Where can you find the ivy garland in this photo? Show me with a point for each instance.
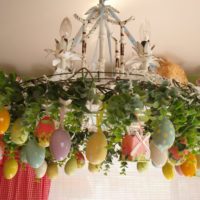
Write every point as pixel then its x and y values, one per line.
pixel 122 105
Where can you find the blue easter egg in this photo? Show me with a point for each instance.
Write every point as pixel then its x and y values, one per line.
pixel 23 155
pixel 164 135
pixel 35 154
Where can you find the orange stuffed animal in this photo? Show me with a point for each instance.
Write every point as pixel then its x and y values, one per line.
pixel 172 71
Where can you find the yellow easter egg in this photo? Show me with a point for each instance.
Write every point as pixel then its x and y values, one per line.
pixel 71 166
pixel 168 171
pixel 10 168
pixel 52 170
pixel 198 161
pixel 142 166
pixel 96 148
pixel 93 168
pixel 4 120
pixel 18 135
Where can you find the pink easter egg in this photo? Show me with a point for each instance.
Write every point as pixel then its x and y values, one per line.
pixel 60 144
pixel 178 170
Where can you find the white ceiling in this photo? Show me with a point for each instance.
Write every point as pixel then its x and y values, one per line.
pixel 27 27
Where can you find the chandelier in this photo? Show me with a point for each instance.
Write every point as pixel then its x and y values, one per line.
pixel 89 112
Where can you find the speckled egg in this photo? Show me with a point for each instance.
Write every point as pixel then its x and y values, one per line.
pixel 164 135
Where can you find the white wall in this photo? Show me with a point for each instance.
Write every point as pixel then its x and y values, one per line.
pixel 27 27
pixel 148 186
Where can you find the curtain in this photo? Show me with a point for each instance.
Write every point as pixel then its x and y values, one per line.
pixel 24 186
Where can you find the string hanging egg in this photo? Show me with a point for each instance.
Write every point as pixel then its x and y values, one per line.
pixel 18 134
pixel 96 148
pixel 164 135
pixel 4 120
pixel 60 144
pixel 35 154
pixel 44 130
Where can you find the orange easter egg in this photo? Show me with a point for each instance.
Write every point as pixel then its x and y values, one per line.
pixel 189 167
pixel 4 120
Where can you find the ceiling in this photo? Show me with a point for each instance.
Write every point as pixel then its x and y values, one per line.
pixel 28 27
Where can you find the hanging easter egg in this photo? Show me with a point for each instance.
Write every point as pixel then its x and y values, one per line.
pixel 178 170
pixel 158 158
pixel 41 171
pixel 189 167
pixel 142 166
pixel 4 120
pixel 198 161
pixel 133 148
pixel 2 149
pixel 168 171
pixel 22 155
pixel 178 153
pixel 10 168
pixel 164 135
pixel 35 154
pixel 71 166
pixel 44 130
pixel 127 144
pixel 52 170
pixel 93 168
pixel 96 148
pixel 80 159
pixel 18 135
pixel 60 144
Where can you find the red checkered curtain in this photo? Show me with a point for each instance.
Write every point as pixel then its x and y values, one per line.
pixel 24 186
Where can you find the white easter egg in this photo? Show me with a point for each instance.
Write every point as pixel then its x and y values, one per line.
pixel 158 158
pixel 41 171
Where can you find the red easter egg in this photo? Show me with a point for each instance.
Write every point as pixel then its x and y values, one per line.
pixel 44 130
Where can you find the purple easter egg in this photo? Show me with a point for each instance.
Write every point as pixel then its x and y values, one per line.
pixel 60 144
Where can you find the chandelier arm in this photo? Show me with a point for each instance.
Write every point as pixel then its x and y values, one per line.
pixel 109 36
pixel 127 32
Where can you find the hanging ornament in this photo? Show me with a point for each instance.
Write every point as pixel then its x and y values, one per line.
pixel 135 146
pixel 178 152
pixel 96 148
pixel 23 157
pixel 127 145
pixel 71 166
pixel 35 154
pixel 52 171
pixel 189 167
pixel 2 149
pixel 4 120
pixel 65 28
pixel 178 170
pixel 80 159
pixel 198 161
pixel 93 168
pixel 168 171
pixel 164 135
pixel 60 144
pixel 158 158
pixel 41 171
pixel 142 166
pixel 44 130
pixel 10 168
pixel 18 135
